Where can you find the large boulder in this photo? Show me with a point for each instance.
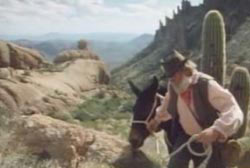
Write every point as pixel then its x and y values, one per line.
pixel 12 55
pixel 66 143
pixel 24 58
pixel 57 139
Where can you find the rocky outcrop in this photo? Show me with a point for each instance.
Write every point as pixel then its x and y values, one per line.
pixel 55 90
pixel 12 55
pixel 28 88
pixel 71 55
pixel 50 90
pixel 81 53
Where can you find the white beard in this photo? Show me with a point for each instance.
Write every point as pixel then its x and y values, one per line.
pixel 183 85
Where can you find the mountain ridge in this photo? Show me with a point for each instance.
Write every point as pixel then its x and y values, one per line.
pixel 183 33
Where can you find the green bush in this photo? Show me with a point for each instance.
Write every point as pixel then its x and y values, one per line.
pixel 109 114
pixel 127 106
pixel 100 108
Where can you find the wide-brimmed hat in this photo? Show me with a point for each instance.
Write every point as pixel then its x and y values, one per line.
pixel 174 62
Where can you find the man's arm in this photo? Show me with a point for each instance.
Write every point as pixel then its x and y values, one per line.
pixel 161 115
pixel 230 115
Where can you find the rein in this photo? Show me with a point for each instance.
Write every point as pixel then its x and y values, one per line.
pixel 208 151
pixel 146 122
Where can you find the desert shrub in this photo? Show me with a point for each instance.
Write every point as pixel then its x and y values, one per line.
pixel 98 108
pixel 64 116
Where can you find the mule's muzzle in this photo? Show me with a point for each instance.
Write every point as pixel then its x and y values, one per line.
pixel 135 143
pixel 135 139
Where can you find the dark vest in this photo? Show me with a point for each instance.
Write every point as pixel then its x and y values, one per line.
pixel 205 115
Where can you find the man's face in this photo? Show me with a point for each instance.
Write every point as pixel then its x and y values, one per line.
pixel 180 81
pixel 177 78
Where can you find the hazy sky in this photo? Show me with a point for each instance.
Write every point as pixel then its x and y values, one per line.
pixel 83 16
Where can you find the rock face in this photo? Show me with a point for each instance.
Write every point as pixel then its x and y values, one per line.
pixel 54 138
pixel 182 32
pixel 237 48
pixel 17 57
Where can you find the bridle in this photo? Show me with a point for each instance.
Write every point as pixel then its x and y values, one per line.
pixel 146 122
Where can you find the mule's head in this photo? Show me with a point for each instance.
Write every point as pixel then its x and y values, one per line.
pixel 141 110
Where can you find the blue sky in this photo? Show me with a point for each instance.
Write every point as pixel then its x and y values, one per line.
pixel 33 17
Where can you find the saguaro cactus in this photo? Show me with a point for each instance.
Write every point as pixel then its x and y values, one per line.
pixel 239 87
pixel 213 46
pixel 237 150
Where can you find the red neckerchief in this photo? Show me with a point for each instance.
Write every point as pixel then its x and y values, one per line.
pixel 187 96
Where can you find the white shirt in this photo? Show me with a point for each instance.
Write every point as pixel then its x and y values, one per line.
pixel 230 115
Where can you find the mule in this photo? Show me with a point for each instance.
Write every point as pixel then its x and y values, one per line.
pixel 143 111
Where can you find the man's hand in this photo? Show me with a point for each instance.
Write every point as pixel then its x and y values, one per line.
pixel 208 136
pixel 153 125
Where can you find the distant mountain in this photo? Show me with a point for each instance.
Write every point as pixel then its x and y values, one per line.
pixel 110 37
pixel 113 53
pixel 104 37
pixel 142 41
pixel 50 49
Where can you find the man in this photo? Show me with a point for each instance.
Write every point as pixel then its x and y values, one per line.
pixel 196 104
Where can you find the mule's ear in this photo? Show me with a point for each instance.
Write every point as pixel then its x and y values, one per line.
pixel 134 88
pixel 155 81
